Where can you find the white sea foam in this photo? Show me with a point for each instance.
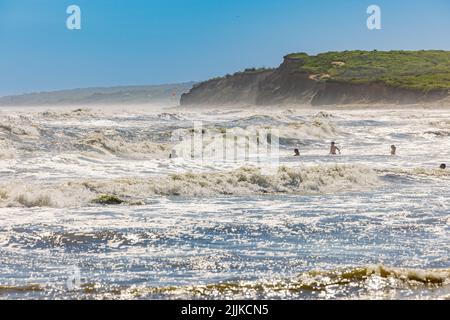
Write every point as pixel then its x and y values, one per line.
pixel 196 221
pixel 244 181
pixel 20 126
pixel 110 142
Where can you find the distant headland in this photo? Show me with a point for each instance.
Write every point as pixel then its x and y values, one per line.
pixel 334 78
pixel 165 94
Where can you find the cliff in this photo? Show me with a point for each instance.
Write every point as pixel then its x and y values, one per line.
pixel 334 78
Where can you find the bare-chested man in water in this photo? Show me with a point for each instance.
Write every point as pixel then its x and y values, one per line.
pixel 334 148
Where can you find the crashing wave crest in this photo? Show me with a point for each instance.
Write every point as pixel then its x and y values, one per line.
pixel 100 142
pixel 371 282
pixel 20 126
pixel 358 282
pixel 244 181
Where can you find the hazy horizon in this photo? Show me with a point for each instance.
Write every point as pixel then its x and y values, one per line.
pixel 100 87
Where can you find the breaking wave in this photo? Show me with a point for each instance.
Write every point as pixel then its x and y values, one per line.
pixel 36 133
pixel 364 282
pixel 100 142
pixel 244 181
pixel 19 126
pixel 317 127
pixel 371 282
pixel 242 138
pixel 70 114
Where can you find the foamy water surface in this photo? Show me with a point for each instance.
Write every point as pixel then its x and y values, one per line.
pixel 364 224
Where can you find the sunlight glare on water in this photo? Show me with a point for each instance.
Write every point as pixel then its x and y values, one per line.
pixel 364 224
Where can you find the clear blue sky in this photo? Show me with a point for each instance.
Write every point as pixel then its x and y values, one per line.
pixel 166 41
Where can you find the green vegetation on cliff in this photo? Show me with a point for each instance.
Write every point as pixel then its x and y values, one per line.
pixel 420 70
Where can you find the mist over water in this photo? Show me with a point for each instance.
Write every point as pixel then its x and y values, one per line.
pixel 363 224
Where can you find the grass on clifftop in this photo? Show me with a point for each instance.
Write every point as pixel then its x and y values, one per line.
pixel 424 70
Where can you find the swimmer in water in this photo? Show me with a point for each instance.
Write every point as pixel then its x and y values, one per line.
pixel 334 148
pixel 296 153
pixel 393 150
pixel 443 166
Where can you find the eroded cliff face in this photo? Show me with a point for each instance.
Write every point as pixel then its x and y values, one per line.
pixel 340 93
pixel 287 86
pixel 238 89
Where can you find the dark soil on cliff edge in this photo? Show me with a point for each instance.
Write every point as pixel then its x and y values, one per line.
pixel 350 77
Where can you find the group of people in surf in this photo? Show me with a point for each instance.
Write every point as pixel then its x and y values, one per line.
pixel 334 149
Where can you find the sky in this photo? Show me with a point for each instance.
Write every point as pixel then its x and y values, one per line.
pixel 140 42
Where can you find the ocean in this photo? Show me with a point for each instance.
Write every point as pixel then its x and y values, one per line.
pixel 360 225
